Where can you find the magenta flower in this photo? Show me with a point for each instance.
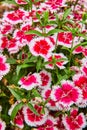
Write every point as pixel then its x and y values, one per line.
pixel 67 94
pixel 56 56
pixel 4 67
pixel 4 43
pixel 54 4
pixel 19 118
pixel 51 104
pixel 45 78
pixel 65 39
pixel 49 124
pixel 21 2
pixel 14 17
pixel 2 125
pixel 76 121
pixel 80 81
pixel 41 46
pixel 13 46
pixel 32 119
pixel 30 81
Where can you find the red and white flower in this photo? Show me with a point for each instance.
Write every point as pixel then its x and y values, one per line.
pixel 32 119
pixel 65 39
pixel 76 121
pixel 49 124
pixel 30 81
pixel 45 78
pixel 41 46
pixel 2 125
pixel 56 56
pixel 51 104
pixel 13 46
pixel 3 43
pixel 6 28
pixel 80 81
pixel 14 17
pixel 4 67
pixel 21 2
pixel 67 94
pixel 53 5
pixel 19 118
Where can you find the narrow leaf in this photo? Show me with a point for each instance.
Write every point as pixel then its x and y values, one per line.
pixel 32 109
pixel 16 109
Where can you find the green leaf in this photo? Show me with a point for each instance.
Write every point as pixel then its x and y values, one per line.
pixel 15 93
pixel 39 64
pixel 46 16
pixel 53 31
pixel 16 109
pixel 36 93
pixel 80 44
pixel 11 2
pixel 66 13
pixel 32 109
pixel 34 32
pixel 11 61
pixel 19 67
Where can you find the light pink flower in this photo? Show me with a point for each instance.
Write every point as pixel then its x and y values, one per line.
pixel 32 119
pixel 2 125
pixel 67 94
pixel 41 46
pixel 65 39
pixel 56 56
pixel 45 78
pixel 30 81
pixel 76 121
pixel 21 2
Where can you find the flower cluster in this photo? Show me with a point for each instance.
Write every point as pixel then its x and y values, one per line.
pixel 43 58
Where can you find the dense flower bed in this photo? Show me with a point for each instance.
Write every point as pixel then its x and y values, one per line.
pixel 43 65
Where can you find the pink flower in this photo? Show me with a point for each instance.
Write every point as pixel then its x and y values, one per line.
pixel 76 121
pixel 78 50
pixel 4 43
pixel 32 119
pixel 19 118
pixel 30 81
pixel 21 2
pixel 67 94
pixel 4 67
pixel 45 78
pixel 65 39
pixel 49 124
pixel 41 46
pixel 54 4
pixel 56 56
pixel 51 104
pixel 84 69
pixel 22 38
pixel 2 125
pixel 6 28
pixel 13 46
pixel 80 81
pixel 14 17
